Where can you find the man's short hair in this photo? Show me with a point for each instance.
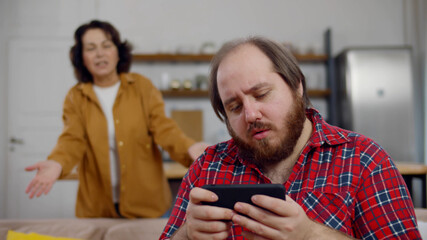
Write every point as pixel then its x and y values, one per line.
pixel 283 61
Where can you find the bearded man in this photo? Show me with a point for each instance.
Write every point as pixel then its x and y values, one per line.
pixel 340 184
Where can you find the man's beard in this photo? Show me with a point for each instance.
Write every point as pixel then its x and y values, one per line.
pixel 262 153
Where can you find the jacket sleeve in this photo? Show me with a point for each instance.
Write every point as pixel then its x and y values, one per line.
pixel 71 144
pixel 165 131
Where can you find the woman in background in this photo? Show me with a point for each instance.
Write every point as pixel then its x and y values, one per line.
pixel 114 122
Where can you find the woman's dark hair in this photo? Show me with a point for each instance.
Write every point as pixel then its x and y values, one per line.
pixel 284 63
pixel 76 51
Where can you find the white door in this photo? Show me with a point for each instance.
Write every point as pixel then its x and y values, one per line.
pixel 39 75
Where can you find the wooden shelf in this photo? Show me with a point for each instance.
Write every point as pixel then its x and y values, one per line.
pixel 173 57
pixel 185 93
pixel 312 58
pixel 314 93
pixel 208 57
pixel 318 93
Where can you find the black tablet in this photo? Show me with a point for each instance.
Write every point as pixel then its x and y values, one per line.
pixel 229 194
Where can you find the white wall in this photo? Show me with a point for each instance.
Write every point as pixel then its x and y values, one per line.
pixel 424 72
pixel 154 25
pixel 3 110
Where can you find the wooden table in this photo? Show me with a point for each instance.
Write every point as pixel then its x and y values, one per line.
pixel 173 171
pixel 410 171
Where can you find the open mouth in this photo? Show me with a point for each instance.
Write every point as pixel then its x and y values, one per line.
pixel 101 64
pixel 259 130
pixel 259 133
pixel 256 131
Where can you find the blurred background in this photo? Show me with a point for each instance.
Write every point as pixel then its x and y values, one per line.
pixel 173 42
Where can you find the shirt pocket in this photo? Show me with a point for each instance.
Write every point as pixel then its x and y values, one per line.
pixel 331 209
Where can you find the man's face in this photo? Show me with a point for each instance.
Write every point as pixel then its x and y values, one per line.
pixel 263 116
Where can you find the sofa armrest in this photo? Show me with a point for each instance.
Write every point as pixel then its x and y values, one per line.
pixel 147 229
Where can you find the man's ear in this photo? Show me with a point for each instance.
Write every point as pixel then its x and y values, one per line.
pixel 300 88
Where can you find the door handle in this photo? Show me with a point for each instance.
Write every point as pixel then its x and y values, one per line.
pixel 14 140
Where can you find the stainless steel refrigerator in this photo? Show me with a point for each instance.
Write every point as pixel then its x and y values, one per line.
pixel 375 97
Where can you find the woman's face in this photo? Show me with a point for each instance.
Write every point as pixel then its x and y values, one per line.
pixel 100 54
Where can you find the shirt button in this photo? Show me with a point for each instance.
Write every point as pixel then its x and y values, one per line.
pixel 123 166
pixel 148 145
pixel 117 121
pixel 123 188
pixel 120 143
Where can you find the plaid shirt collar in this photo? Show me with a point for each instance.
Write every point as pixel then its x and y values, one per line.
pixel 323 134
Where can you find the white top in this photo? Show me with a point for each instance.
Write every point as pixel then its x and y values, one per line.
pixel 107 97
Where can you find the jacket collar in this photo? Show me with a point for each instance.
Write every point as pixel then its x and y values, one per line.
pixel 87 88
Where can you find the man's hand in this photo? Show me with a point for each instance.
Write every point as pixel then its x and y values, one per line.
pixel 283 220
pixel 48 172
pixel 205 222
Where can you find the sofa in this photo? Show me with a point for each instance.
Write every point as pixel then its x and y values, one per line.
pixel 111 229
pixel 87 228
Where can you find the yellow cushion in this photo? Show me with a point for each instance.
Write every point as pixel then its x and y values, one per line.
pixel 12 235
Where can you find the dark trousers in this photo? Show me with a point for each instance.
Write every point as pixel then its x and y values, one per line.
pixel 117 207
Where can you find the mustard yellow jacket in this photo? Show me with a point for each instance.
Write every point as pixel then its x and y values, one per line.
pixel 140 125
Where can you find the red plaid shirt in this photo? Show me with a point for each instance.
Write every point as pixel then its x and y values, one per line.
pixel 341 179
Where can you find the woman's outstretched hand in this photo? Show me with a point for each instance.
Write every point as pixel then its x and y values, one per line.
pixel 48 172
